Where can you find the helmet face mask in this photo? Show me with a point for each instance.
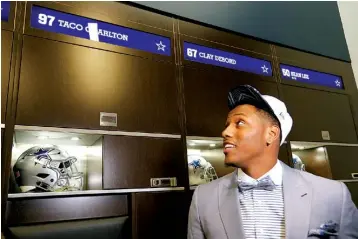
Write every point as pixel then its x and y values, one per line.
pixel 47 168
pixel 200 170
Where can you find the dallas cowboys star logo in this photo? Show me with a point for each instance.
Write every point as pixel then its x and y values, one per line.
pixel 264 69
pixel 196 164
pixel 161 46
pixel 338 83
pixel 41 151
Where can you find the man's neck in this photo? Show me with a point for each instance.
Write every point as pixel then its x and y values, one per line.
pixel 257 169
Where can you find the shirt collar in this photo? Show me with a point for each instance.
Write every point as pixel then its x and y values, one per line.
pixel 275 174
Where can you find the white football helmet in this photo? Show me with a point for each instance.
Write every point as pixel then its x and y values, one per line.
pixel 298 163
pixel 200 170
pixel 47 168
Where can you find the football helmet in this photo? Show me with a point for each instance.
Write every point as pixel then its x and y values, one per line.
pixel 47 168
pixel 200 170
pixel 298 163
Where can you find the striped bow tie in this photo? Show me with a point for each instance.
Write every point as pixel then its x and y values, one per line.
pixel 264 184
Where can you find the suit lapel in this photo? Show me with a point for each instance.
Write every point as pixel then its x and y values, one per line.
pixel 229 208
pixel 297 197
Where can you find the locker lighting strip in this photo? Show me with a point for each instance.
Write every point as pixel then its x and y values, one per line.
pixel 349 181
pixel 311 76
pixel 92 192
pixel 325 143
pixel 203 138
pixel 216 57
pixel 101 132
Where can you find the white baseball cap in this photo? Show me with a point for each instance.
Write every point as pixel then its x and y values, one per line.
pixel 246 94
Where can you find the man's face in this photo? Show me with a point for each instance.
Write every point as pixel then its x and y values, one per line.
pixel 244 135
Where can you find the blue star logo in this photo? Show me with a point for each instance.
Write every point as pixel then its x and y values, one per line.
pixel 41 154
pixel 196 164
pixel 161 46
pixel 41 151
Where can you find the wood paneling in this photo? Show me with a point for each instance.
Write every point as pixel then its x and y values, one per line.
pixel 327 65
pixel 213 35
pixel 284 156
pixel 206 92
pixel 6 46
pixel 41 210
pixel 316 161
pixel 64 85
pixel 3 180
pixel 314 111
pixel 343 160
pixel 161 215
pixel 130 162
pixel 353 188
pixel 109 228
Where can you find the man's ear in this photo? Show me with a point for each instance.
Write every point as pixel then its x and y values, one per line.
pixel 272 134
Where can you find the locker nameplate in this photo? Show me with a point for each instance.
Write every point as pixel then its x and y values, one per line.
pixel 82 27
pixel 311 77
pixel 211 56
pixel 5 10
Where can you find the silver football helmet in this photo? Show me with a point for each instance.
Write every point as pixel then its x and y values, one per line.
pixel 298 163
pixel 47 168
pixel 200 170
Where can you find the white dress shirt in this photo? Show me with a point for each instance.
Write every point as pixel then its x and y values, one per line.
pixel 262 211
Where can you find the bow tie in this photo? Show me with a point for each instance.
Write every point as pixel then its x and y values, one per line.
pixel 264 184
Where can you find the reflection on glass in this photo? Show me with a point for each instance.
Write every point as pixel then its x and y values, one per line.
pixel 205 160
pixel 297 163
pixel 200 170
pixel 311 157
pixel 55 162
